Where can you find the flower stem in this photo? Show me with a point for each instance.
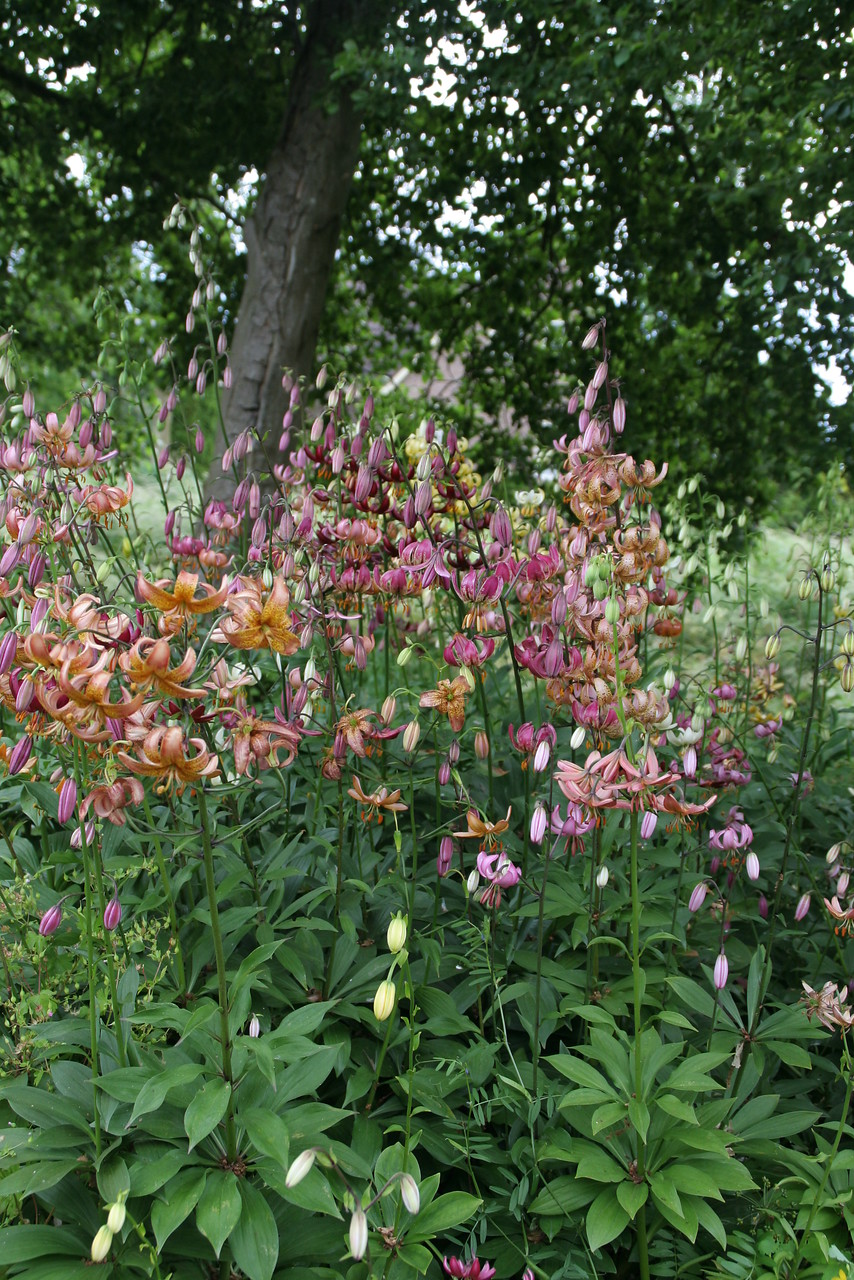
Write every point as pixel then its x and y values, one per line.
pixel 225 1035
pixel 637 1000
pixel 167 889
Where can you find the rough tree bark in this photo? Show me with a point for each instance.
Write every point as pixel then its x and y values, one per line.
pixel 293 234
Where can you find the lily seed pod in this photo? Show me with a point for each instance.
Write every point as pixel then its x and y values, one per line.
pixel 396 934
pixel 358 1233
pixel 385 1000
pixel 300 1167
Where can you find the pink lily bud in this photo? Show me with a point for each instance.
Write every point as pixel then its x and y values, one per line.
pixel 254 500
pixel 539 821
pixel 163 458
pixel 181 467
pixel 572 404
pixel 20 754
pixel 446 853
pixel 444 773
pixel 541 757
pixel 721 972
pixel 29 529
pixel 452 442
pixel 51 920
pixel 73 418
pixel 751 866
pixel 8 651
pixel 618 416
pixel 99 404
pixel 689 762
pixel 481 745
pixel 85 435
pixel 227 459
pixel 221 343
pixel 169 522
pixel 67 800
pixel 590 338
pixel 201 383
pixel 76 840
pixel 801 909
pixel 112 914
pixel 423 498
pixel 28 403
pixel 454 752
pixel 227 376
pixel 763 906
pixel 9 559
pixel 698 896
pixel 649 821
pixel 38 564
pixel 199 442
pixel 24 696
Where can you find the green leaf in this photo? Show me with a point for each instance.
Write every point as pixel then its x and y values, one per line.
pixel 206 1110
pixel 632 1195
pixel 639 1116
pixel 181 1197
pixel 255 1239
pixel 21 1244
pixel 664 1190
pixel 607 1117
pixel 443 1213
pixel 153 1093
pixel 673 1106
pixel 707 1218
pixel 218 1210
pixel 565 1195
pixel 29 1180
pixel 606 1219
pixel 794 1055
pixel 268 1134
pixel 45 1110
pixel 599 1166
pixel 581 1073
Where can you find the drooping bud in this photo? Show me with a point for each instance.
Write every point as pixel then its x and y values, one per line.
pixel 8 651
pixel 358 1233
pixel 481 745
pixel 116 1216
pixel 67 800
pixel 721 971
pixel 51 920
pixel 539 821
pixel 602 876
pixel 254 1026
pixel 578 736
pixel 541 757
pixel 698 896
pixel 412 732
pixel 300 1167
pixel 803 906
pixel 751 866
pixel 446 853
pixel 649 821
pixel 385 1000
pixel 409 1193
pixel 590 338
pixel 20 754
pixel 102 1244
pixel 112 914
pixel 472 882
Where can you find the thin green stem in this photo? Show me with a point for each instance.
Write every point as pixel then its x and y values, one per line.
pixel 225 1035
pixel 167 889
pixel 637 1001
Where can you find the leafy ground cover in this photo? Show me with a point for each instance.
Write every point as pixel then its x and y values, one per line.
pixel 406 875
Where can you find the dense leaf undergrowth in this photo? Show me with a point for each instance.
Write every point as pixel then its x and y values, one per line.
pixel 387 884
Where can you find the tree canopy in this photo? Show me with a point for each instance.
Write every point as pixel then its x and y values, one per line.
pixel 521 170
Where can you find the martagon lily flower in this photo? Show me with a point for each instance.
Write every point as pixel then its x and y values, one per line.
pixel 147 664
pixel 257 622
pixel 449 699
pixel 180 604
pixel 481 829
pixel 378 802
pixel 163 754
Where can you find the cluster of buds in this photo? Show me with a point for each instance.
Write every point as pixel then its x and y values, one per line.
pixel 103 1241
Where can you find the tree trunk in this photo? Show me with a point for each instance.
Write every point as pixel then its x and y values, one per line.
pixel 291 239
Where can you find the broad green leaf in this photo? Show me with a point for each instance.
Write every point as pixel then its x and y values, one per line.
pixel 255 1240
pixel 664 1190
pixel 608 1117
pixel 206 1110
pixel 673 1106
pixel 153 1093
pixel 45 1110
pixel 219 1208
pixel 563 1195
pixel 21 1244
pixel 599 1166
pixel 606 1219
pixel 30 1179
pixel 444 1213
pixel 632 1195
pixel 150 1175
pixel 639 1116
pixel 581 1073
pixel 268 1134
pixel 707 1218
pixel 181 1195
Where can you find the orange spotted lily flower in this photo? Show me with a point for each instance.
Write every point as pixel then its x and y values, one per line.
pixel 843 916
pixel 89 689
pixel 164 754
pixel 259 623
pixel 147 665
pixel 486 832
pixel 257 741
pixel 380 801
pixel 110 800
pixel 180 603
pixel 615 782
pixel 104 499
pixel 355 730
pixel 449 699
